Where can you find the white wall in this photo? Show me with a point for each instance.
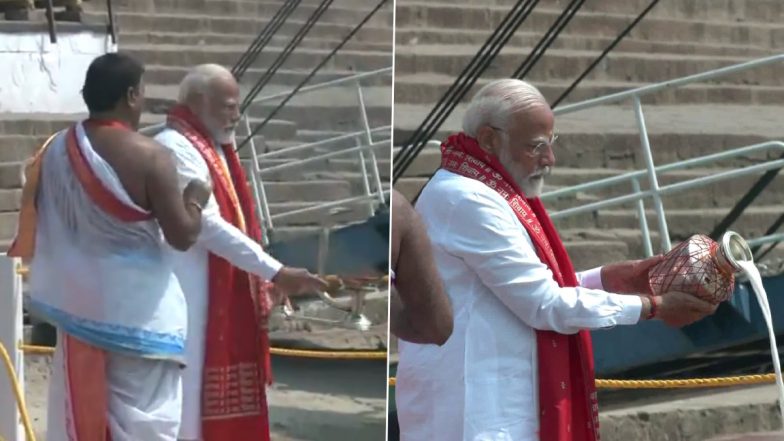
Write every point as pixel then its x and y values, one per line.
pixel 38 76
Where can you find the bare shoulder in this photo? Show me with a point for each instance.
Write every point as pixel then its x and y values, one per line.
pixel 147 152
pixel 401 207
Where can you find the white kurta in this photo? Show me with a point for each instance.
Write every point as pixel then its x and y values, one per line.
pixel 482 384
pixel 219 237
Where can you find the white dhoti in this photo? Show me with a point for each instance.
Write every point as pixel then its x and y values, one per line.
pixel 144 398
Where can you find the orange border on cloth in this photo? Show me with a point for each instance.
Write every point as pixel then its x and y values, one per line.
pixel 87 391
pixel 24 243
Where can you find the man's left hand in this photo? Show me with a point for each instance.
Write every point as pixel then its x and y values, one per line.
pixel 630 277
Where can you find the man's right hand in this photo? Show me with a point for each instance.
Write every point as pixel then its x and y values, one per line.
pixel 679 309
pixel 296 281
pixel 197 191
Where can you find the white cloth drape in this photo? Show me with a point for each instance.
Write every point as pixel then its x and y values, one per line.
pixel 106 282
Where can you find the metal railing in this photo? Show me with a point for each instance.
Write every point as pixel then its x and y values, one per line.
pixel 11 336
pixel 632 179
pixel 652 172
pixel 360 144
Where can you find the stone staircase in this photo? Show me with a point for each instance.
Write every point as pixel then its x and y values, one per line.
pixel 436 39
pixel 170 36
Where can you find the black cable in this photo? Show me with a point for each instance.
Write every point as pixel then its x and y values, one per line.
pixel 744 202
pixel 311 74
pixel 322 7
pixel 261 39
pixel 264 37
pixel 449 101
pixel 547 40
pixel 458 88
pixel 606 51
pixel 758 256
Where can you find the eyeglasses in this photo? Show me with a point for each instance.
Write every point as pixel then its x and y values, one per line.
pixel 537 149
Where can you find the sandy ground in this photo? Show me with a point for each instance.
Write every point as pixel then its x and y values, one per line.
pixel 312 399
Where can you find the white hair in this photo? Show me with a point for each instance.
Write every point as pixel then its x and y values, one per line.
pixel 199 78
pixel 496 102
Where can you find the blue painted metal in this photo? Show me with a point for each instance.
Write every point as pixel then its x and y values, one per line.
pixel 356 250
pixel 735 322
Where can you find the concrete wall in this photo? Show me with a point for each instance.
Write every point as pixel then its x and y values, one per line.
pixel 39 76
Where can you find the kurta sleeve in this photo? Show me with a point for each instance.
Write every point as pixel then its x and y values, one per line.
pixel 217 235
pixel 484 232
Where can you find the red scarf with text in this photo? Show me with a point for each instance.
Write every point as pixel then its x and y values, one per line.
pixel 237 359
pixel 568 406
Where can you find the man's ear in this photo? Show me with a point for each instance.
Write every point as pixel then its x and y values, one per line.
pixel 487 138
pixel 133 96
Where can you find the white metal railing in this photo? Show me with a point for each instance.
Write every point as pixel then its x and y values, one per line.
pixel 656 191
pixel 632 179
pixel 651 171
pixel 11 336
pixel 360 143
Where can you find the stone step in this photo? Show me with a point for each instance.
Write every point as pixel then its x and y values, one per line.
pixel 719 194
pixel 307 191
pixel 350 165
pixel 267 146
pixel 185 38
pixel 43 125
pixel 716 10
pixel 170 75
pixel 429 88
pixel 623 151
pixel 354 213
pixel 407 37
pixel 10 199
pixel 245 25
pixel 16 148
pixel 335 108
pixel 566 65
pixel 341 11
pixel 284 233
pixel 301 58
pixel 326 170
pixel 606 136
pixel 599 23
pixel 587 254
pixel 8 220
pixel 682 223
pixel 619 244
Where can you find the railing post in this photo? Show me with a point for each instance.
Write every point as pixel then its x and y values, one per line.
pixel 258 186
pixel 11 334
pixel 369 136
pixel 657 201
pixel 646 234
pixel 365 179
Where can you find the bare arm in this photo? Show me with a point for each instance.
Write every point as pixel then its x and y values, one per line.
pixel 179 219
pixel 424 313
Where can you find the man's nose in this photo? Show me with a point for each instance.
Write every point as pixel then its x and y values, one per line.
pixel 548 158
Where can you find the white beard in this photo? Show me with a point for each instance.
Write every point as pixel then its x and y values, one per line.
pixel 224 137
pixel 533 184
pixel 219 135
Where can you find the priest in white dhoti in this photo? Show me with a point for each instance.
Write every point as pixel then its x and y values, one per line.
pixel 98 203
pixel 227 277
pixel 518 365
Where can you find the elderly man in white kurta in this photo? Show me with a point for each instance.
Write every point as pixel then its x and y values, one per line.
pixel 518 365
pixel 225 276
